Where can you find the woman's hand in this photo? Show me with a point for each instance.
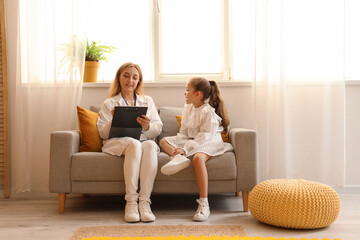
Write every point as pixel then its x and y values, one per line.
pixel 144 121
pixel 178 151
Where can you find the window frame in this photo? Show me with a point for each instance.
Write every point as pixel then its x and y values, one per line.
pixel 159 76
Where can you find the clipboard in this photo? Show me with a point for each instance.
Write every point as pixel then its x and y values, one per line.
pixel 124 122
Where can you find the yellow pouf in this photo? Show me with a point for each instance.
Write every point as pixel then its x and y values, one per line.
pixel 294 203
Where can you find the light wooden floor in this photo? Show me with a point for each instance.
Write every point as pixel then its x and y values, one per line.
pixel 37 218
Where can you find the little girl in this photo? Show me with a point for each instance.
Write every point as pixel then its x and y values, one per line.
pixel 200 136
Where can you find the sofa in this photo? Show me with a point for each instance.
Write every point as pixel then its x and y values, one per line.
pixel 72 171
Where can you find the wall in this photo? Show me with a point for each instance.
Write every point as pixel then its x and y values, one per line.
pixel 352 137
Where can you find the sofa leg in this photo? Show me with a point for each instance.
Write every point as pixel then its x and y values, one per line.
pixel 245 198
pixel 62 201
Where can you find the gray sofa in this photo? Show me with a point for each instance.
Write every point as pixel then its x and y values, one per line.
pixel 72 171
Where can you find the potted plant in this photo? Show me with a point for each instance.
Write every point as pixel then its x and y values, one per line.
pixel 71 54
pixel 95 53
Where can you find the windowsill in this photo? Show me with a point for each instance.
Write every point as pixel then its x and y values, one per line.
pixel 167 84
pixel 182 84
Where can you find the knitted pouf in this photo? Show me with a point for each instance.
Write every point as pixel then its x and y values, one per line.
pixel 294 203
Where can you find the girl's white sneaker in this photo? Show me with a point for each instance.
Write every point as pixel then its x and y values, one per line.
pixel 202 213
pixel 176 164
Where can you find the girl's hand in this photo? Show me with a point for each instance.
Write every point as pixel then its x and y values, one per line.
pixel 178 151
pixel 144 121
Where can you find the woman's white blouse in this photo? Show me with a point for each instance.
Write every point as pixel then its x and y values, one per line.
pixel 105 117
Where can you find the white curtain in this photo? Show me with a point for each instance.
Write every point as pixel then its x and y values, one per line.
pixel 299 89
pixel 50 56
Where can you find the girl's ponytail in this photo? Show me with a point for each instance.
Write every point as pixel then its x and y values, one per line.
pixel 216 101
pixel 211 91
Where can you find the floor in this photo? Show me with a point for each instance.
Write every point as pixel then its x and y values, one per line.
pixel 37 217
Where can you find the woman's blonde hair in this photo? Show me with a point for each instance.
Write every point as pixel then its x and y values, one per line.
pixel 211 91
pixel 115 87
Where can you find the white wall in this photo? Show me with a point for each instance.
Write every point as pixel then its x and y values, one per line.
pixel 352 137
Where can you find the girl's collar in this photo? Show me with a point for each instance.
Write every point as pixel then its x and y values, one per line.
pixel 202 105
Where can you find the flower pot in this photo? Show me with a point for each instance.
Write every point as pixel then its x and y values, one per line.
pixel 91 71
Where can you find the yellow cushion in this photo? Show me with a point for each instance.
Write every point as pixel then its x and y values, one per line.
pixel 224 135
pixel 90 139
pixel 294 203
pixel 178 119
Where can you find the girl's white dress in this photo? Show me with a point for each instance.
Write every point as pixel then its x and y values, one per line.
pixel 200 132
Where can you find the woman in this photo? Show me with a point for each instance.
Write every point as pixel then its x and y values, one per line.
pixel 140 162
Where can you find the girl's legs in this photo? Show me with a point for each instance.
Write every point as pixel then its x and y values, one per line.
pixel 203 210
pixel 176 163
pixel 148 170
pixel 166 147
pixel 199 161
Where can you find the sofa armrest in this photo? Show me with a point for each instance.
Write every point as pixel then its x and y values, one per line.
pixel 63 144
pixel 244 142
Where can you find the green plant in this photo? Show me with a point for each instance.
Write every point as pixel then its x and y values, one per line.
pixel 71 54
pixel 96 52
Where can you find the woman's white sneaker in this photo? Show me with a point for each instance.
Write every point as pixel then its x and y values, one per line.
pixel 202 213
pixel 131 212
pixel 176 164
pixel 146 214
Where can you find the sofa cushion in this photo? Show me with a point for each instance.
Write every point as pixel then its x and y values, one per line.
pixel 86 166
pixel 95 108
pixel 90 138
pixel 104 167
pixel 222 167
pixel 170 126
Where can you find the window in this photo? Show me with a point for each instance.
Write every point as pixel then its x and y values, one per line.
pixel 242 39
pixel 297 40
pixel 170 40
pixel 50 52
pixel 191 38
pixel 352 44
pixel 127 26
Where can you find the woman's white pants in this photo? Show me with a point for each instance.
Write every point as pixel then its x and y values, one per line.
pixel 140 163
